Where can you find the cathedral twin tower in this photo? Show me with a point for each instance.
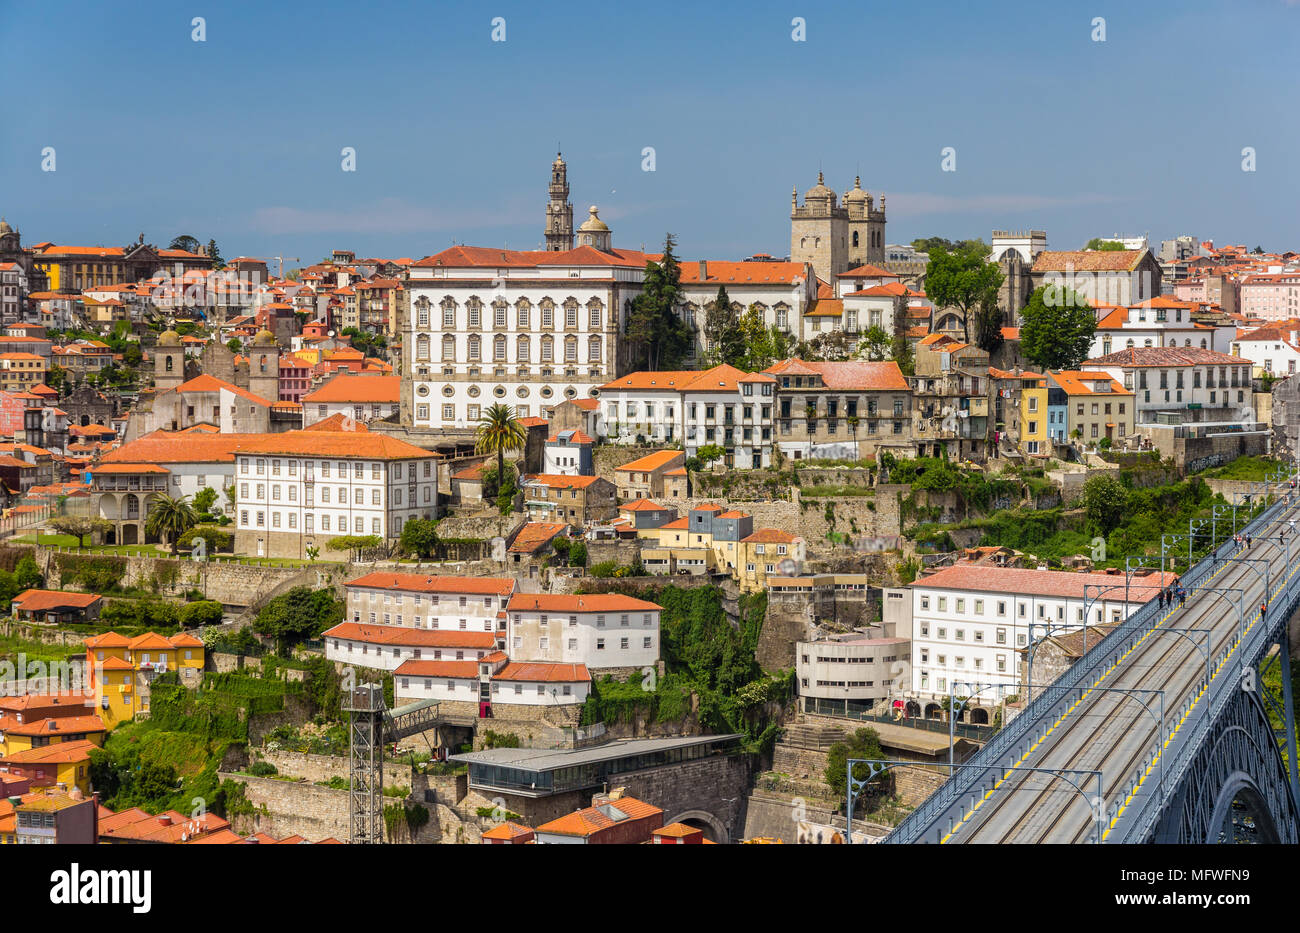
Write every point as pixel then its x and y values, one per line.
pixel 833 237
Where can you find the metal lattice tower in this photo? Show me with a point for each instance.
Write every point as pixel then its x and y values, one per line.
pixel 365 706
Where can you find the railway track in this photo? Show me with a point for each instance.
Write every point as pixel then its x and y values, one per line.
pixel 1108 730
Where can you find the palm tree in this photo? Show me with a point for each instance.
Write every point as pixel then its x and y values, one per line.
pixel 498 431
pixel 170 517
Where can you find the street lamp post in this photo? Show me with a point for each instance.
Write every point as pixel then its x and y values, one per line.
pixel 953 709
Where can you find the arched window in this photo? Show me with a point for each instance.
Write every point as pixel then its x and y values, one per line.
pixel 522 308
pixel 448 347
pixel 594 309
pixel 1203 346
pixel 475 347
pixel 521 348
pixel 422 312
pixel 499 346
pixel 1129 344
pixel 422 347
pixel 548 348
pixel 855 238
pixel 570 349
pixel 169 363
pixel 593 349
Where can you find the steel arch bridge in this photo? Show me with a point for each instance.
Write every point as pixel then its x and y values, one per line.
pixel 1089 761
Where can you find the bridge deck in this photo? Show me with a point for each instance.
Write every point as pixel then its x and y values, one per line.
pixel 1098 727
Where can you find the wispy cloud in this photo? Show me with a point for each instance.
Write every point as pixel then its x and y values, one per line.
pixel 928 203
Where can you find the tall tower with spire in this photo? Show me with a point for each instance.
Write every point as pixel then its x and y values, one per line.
pixel 559 211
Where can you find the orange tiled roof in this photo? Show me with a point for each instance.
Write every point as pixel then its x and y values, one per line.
pixel 362 444
pixel 854 374
pixel 544 673
pixel 460 670
pixel 425 583
pixel 534 535
pixel 348 388
pixel 44 600
pixel 577 602
pixel 415 637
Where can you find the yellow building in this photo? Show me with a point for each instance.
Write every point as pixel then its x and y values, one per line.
pixel 66 763
pixel 768 552
pixel 19 371
pixel 123 669
pixel 1020 411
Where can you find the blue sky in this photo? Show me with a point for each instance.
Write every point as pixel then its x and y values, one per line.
pixel 239 137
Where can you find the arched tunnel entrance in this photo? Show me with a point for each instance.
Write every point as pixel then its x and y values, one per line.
pixel 714 831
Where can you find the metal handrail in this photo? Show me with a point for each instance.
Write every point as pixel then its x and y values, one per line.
pixel 1010 738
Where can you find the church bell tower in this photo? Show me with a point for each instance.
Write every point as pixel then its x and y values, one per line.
pixel 559 211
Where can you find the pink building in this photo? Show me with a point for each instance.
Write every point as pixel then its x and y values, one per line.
pixel 1271 297
pixel 295 377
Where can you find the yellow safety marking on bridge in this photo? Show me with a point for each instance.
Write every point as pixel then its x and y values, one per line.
pixel 1163 619
pixel 1257 617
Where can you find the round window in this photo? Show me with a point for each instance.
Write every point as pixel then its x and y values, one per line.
pixel 570 392
pixel 473 391
pixel 424 389
pixel 499 391
pixel 448 391
pixel 522 391
pixel 547 391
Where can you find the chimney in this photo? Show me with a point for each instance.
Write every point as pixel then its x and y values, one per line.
pixel 704 270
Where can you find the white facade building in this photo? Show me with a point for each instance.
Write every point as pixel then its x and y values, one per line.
pixel 528 329
pixel 1273 348
pixel 1161 322
pixel 600 630
pixel 1172 378
pixel 969 622
pixel 298 489
pixel 722 405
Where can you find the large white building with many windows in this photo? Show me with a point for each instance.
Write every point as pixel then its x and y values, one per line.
pixel 969 622
pixel 524 328
pixel 299 489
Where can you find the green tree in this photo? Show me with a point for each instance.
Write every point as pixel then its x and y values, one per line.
pixel 723 334
pixel 988 324
pixel 186 242
pixel 961 279
pixel 875 343
pixel 170 517
pixel 298 615
pixel 200 612
pixel 205 499
pixel 864 743
pixel 764 344
pixel 215 255
pixel 1105 504
pixel 710 452
pixel 1097 243
pixel 79 526
pixel 578 553
pixel 27 576
pixel 657 335
pixel 499 431
pixel 420 536
pixel 904 356
pixel 233 345
pixel 356 545
pixel 1057 327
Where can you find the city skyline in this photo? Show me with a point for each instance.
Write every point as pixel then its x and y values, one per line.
pixel 453 139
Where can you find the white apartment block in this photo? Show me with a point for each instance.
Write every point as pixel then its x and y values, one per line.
pixel 299 489
pixel 843 674
pixel 969 622
pixel 722 405
pixel 1171 378
pixel 599 630
pixel 1161 322
pixel 1273 348
pixel 492 680
pixel 473 604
